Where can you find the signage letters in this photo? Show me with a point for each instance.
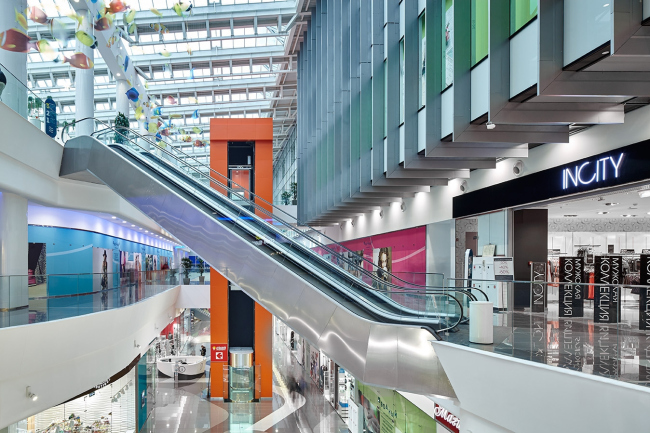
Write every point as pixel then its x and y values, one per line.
pixel 599 169
pixel 446 418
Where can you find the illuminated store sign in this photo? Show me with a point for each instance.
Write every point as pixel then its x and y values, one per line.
pixel 446 418
pixel 590 172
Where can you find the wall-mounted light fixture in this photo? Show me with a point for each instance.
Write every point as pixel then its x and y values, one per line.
pixel 30 394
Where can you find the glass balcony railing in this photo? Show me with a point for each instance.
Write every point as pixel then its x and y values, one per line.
pixel 27 299
pixel 599 329
pixel 17 96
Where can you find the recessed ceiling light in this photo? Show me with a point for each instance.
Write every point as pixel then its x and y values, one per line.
pixel 132 225
pixel 146 231
pixel 644 193
pixel 139 228
pixel 123 222
pixel 611 204
pixel 114 217
pixel 603 213
pixel 570 216
pixel 629 216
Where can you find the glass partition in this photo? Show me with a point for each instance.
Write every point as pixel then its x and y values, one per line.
pixel 17 96
pixel 599 329
pixel 27 299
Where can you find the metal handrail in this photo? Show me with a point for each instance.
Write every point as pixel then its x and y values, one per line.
pixel 260 208
pixel 438 291
pixel 253 203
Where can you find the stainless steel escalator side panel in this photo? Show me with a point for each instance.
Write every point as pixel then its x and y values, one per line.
pixel 413 356
pixel 272 288
pixel 347 338
pixel 344 335
pixel 312 312
pixel 381 358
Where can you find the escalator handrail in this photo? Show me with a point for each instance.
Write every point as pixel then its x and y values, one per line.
pixel 366 288
pixel 253 203
pixel 441 291
pixel 327 248
pixel 362 298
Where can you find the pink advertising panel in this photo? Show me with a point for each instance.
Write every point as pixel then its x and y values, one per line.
pixel 401 253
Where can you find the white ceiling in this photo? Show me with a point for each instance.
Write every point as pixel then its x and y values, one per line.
pixel 616 204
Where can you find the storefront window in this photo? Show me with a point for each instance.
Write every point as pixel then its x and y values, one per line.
pixel 105 410
pixel 479 30
pixel 423 59
pixel 402 82
pixel 521 13
pixel 448 45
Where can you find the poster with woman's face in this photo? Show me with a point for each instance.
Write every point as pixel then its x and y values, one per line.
pixel 383 260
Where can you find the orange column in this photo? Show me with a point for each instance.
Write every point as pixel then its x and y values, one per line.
pixel 218 327
pixel 223 130
pixel 264 175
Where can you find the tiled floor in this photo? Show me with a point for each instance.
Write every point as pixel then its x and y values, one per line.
pixel 618 351
pixel 184 409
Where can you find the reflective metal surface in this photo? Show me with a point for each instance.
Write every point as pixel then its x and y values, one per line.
pixel 335 325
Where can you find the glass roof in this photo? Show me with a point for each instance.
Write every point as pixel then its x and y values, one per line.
pixel 213 62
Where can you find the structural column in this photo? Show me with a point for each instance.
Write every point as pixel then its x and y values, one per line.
pixel 122 102
pixel 84 83
pixel 11 63
pixel 14 296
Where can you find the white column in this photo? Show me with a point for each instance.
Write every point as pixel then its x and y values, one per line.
pixel 14 95
pixel 14 293
pixel 84 84
pixel 122 102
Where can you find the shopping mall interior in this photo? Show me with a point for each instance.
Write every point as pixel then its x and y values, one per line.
pixel 324 216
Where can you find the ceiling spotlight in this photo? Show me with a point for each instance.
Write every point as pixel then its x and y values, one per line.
pixel 603 213
pixel 490 125
pixel 30 394
pixel 629 216
pixel 402 206
pixel 611 204
pixel 463 186
pixel 570 216
pixel 135 344
pixel 518 168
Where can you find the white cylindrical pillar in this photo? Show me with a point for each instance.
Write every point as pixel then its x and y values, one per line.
pixel 12 63
pixel 14 295
pixel 84 84
pixel 481 328
pixel 122 102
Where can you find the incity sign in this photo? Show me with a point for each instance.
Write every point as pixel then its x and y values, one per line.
pixel 592 172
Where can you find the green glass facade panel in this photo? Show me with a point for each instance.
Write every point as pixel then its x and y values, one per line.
pixel 448 45
pixel 479 30
pixel 402 82
pixel 423 58
pixel 521 13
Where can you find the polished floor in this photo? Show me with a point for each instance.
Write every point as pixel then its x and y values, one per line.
pixel 183 408
pixel 614 350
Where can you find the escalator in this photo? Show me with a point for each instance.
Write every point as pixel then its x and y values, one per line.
pixel 378 328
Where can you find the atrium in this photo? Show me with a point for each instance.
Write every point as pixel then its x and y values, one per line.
pixel 363 216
